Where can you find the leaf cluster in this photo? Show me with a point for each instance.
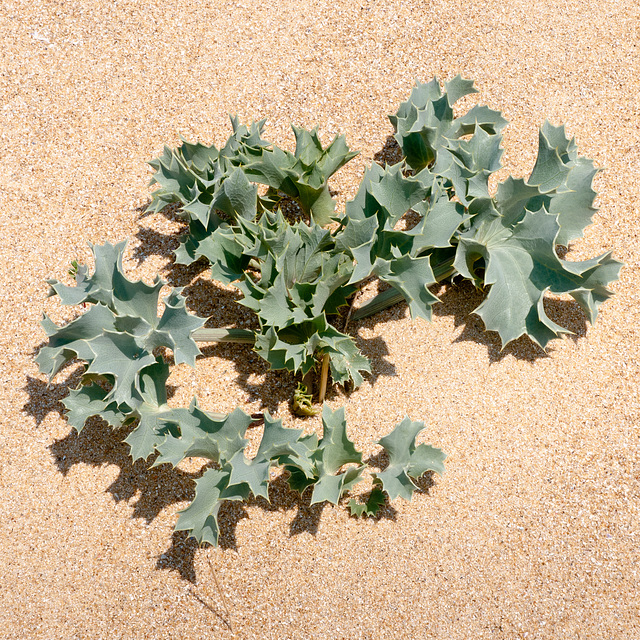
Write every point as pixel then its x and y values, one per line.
pixel 505 243
pixel 330 466
pixel 124 381
pixel 119 338
pixel 296 275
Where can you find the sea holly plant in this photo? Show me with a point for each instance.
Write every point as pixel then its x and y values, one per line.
pixel 123 340
pixel 265 220
pixel 505 243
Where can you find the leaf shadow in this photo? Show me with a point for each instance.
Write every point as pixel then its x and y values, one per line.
pixel 281 498
pixel 274 387
pixel 460 298
pixel 46 397
pixel 376 350
pixel 99 445
pixel 180 556
pixel 390 153
pixel 148 489
pixel 153 242
pixel 220 305
pixel 151 490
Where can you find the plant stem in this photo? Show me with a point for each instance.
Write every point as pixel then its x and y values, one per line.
pixel 351 307
pixel 389 297
pixel 324 374
pixel 239 336
pixel 308 380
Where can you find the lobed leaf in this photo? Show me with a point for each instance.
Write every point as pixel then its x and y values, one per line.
pixel 406 460
pixel 203 435
pixel 72 340
pixel 521 265
pixel 90 400
pixel 334 451
pixel 279 445
pixel 371 507
pixel 200 518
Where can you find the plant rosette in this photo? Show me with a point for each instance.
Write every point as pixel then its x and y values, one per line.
pixel 299 274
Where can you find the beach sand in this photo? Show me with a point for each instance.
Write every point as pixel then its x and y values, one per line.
pixel 534 529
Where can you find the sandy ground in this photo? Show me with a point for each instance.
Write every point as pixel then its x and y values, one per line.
pixel 534 530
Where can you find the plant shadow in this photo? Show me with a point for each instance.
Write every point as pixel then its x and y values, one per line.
pixel 274 386
pixel 376 350
pixel 459 299
pixel 152 242
pixel 151 490
pixel 220 305
pixel 390 153
pixel 46 397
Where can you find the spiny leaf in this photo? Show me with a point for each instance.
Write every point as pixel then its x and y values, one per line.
pixel 294 348
pixel 72 339
pixel 152 411
pixel 108 285
pixel 566 178
pixel 280 446
pixel 428 133
pixel 369 508
pixel 90 400
pixel 334 451
pixel 253 474
pixel 441 218
pixel 118 334
pixel 467 164
pixel 411 277
pixel 303 175
pixel 191 174
pixel 200 518
pixel 205 435
pixel 301 274
pixel 406 460
pixel 521 265
pixel 550 171
pixel 457 88
pixel 237 197
pixel 121 356
pixel 175 328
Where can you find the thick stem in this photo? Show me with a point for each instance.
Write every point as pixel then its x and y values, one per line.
pixel 383 300
pixel 308 381
pixel 389 297
pixel 239 336
pixel 324 374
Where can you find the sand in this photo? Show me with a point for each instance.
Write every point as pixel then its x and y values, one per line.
pixel 533 531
